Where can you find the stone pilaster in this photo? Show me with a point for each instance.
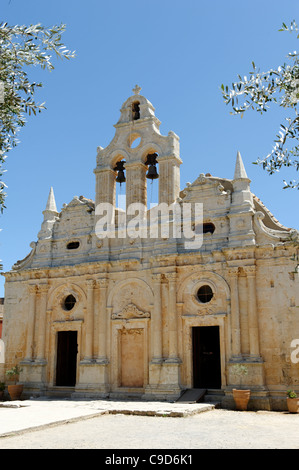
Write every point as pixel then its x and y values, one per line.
pixel 105 186
pixel 252 312
pixel 169 179
pixel 89 322
pixel 102 322
pixel 42 322
pixel 156 321
pixel 31 323
pixel 233 273
pixel 172 319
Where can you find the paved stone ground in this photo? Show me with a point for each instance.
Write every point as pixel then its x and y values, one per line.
pixel 214 429
pixel 18 416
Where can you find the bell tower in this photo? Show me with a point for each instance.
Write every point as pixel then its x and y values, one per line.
pixel 134 154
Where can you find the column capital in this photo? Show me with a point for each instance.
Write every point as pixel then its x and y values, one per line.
pixel 250 270
pixel 32 288
pixel 137 163
pixel 43 288
pixel 233 271
pixel 171 157
pixel 102 283
pixel 171 277
pixel 157 277
pixel 104 169
pixel 90 283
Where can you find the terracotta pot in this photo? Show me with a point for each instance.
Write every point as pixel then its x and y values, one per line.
pixel 15 391
pixel 293 405
pixel 241 398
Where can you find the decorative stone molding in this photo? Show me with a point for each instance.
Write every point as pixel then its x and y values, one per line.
pixel 91 283
pixel 32 288
pixel 250 271
pixel 130 312
pixel 102 283
pixel 233 271
pixel 268 235
pixel 171 277
pixel 43 288
pixel 21 264
pixel 157 277
pixel 206 311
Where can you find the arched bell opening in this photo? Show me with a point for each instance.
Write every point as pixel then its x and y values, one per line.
pixel 152 176
pixel 120 179
pixel 135 110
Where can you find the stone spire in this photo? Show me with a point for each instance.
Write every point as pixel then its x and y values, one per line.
pixel 50 216
pixel 242 208
pixel 51 204
pixel 240 171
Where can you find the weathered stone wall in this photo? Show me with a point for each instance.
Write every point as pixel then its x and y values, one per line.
pixel 135 300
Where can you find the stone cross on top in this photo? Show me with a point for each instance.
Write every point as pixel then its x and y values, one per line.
pixel 136 90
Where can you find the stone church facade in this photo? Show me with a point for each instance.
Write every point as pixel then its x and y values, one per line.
pixel 121 316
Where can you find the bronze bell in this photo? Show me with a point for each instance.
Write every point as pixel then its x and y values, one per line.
pixel 151 160
pixel 120 172
pixel 152 173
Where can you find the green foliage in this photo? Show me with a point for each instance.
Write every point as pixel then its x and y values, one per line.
pixel 22 47
pixel 2 386
pixel 13 373
pixel 279 86
pixel 291 394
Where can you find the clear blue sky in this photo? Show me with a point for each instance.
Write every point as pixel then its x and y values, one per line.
pixel 179 52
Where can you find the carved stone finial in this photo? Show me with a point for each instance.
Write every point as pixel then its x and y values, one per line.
pixel 136 90
pixel 51 204
pixel 240 172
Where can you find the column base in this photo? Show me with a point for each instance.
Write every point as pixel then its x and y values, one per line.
pixel 33 375
pixel 92 375
pixel 164 379
pixel 254 378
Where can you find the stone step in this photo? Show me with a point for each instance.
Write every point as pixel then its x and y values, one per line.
pixel 192 395
pixel 60 392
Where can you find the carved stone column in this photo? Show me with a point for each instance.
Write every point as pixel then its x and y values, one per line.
pixel 89 321
pixel 105 186
pixel 235 313
pixel 169 179
pixel 172 319
pixel 31 322
pixel 102 325
pixel 156 321
pixel 136 185
pixel 41 336
pixel 252 312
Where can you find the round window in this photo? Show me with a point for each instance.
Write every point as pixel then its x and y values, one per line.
pixel 69 302
pixel 205 294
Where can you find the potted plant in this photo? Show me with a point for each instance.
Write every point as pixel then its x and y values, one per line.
pixel 15 391
pixel 2 388
pixel 241 396
pixel 292 401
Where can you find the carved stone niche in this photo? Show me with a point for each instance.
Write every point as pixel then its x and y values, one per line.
pixel 131 311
